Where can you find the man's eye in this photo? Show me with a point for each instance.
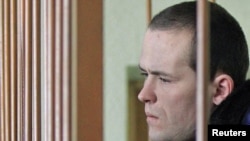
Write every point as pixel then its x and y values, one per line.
pixel 164 80
pixel 144 74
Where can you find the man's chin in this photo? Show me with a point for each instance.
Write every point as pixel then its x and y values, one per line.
pixel 155 135
pixel 158 136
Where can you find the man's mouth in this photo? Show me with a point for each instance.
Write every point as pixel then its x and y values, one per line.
pixel 151 118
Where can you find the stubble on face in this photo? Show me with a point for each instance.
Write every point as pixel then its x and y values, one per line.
pixel 167 51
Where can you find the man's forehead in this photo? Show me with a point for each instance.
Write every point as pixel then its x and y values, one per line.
pixel 169 40
pixel 164 46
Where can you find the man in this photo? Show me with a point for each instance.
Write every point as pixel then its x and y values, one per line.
pixel 168 62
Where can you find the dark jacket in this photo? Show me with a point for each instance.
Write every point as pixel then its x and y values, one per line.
pixel 235 109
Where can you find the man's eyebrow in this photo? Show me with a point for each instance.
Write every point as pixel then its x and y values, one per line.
pixel 155 72
pixel 142 69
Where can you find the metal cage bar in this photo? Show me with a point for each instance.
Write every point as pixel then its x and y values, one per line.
pixel 202 70
pixel 21 85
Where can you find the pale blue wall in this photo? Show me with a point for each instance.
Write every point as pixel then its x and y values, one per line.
pixel 124 26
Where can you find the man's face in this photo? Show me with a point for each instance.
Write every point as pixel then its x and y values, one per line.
pixel 170 85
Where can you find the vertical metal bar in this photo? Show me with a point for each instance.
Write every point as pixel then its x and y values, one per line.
pixel 44 60
pixel 13 68
pixel 44 102
pixel 7 68
pixel 66 70
pixel 202 69
pixel 2 72
pixel 27 69
pixel 58 71
pixel 49 75
pixel 36 90
pixel 74 135
pixel 149 10
pixel 20 70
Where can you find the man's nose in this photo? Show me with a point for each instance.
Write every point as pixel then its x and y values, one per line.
pixel 147 93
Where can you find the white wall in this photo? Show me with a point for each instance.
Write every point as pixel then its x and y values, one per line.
pixel 124 26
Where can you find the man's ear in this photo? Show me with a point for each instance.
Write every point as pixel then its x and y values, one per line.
pixel 223 85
